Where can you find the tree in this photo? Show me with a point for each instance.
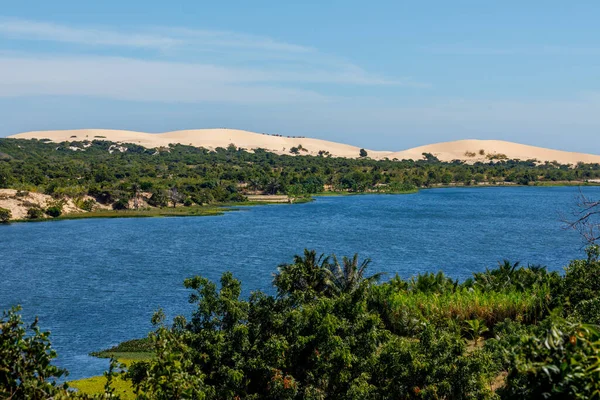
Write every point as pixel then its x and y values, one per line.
pixel 363 153
pixel 5 215
pixel 158 199
pixel 175 196
pixel 585 218
pixel 350 277
pixel 305 278
pixel 26 371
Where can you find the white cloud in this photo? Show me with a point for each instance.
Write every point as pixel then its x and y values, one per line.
pixel 156 38
pixel 271 71
pixel 131 79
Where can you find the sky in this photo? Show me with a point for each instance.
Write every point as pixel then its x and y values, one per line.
pixel 385 75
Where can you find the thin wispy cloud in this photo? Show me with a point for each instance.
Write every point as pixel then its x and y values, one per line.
pixel 189 65
pixel 159 38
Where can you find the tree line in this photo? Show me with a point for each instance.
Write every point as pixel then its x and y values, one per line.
pixel 180 174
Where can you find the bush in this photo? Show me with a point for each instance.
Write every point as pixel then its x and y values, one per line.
pixel 559 361
pixel 54 211
pixel 88 205
pixel 35 213
pixel 582 280
pixel 588 311
pixel 5 215
pixel 120 205
pixel 158 199
pixel 363 153
pixel 26 371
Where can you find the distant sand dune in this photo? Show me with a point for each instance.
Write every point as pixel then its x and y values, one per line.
pixel 465 150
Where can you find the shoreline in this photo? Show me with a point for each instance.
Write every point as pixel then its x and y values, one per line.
pixel 220 209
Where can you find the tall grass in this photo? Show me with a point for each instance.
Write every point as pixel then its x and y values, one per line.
pixel 408 309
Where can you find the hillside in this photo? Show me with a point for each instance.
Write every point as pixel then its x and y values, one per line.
pixel 465 150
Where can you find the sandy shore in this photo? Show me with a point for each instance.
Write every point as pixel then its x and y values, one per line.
pixel 19 202
pixel 465 150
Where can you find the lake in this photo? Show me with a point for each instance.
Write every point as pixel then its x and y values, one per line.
pixel 97 282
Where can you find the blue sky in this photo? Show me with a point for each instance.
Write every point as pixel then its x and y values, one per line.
pixel 381 75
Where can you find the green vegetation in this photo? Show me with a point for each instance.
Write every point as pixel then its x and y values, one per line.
pixel 181 174
pixel 5 215
pixel 332 331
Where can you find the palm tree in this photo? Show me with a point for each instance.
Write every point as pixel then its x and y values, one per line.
pixel 305 278
pixel 350 277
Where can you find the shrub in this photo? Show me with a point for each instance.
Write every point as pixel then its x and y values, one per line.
pixel 54 211
pixel 188 202
pixel 35 213
pixel 120 205
pixel 588 311
pixel 88 205
pixel 582 279
pixel 363 153
pixel 5 215
pixel 407 309
pixel 26 371
pixel 158 199
pixel 470 154
pixel 559 361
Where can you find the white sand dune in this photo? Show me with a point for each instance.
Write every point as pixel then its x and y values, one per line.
pixel 465 150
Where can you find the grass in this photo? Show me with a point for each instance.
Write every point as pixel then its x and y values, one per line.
pixel 123 388
pixel 463 305
pixel 130 349
pixel 95 385
pixel 565 183
pixel 126 353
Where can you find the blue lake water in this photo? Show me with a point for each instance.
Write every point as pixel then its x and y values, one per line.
pixel 96 282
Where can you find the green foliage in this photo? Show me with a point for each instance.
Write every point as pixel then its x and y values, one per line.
pixel 227 174
pixel 120 204
pixel 87 205
pixel 475 328
pixel 143 345
pixel 5 215
pixel 561 360
pixel 588 311
pixel 332 332
pixel 159 199
pixel 26 371
pixel 35 213
pixel 434 366
pixel 363 153
pixel 582 279
pixel 408 310
pixel 55 209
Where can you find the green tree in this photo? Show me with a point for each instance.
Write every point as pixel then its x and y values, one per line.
pixel 26 371
pixel 5 215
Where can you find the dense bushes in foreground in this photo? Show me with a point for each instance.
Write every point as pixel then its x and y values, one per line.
pixel 332 332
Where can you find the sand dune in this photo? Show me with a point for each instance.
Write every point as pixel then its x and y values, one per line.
pixel 465 150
